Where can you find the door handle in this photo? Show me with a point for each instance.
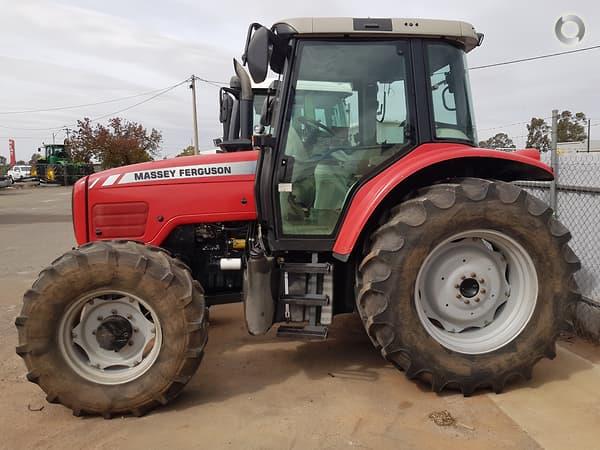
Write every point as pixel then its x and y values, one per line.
pixel 286 167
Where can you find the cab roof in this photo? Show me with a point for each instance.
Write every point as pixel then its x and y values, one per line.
pixel 461 32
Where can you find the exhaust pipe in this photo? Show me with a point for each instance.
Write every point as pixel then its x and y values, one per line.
pixel 246 100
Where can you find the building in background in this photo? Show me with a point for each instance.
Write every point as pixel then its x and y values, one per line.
pixel 578 147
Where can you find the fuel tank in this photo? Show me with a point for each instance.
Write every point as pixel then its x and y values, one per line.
pixel 145 202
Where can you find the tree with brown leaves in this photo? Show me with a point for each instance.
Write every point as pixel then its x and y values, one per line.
pixel 120 143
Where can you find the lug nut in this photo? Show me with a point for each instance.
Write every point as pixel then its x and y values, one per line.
pixel 135 330
pixel 473 275
pixel 456 286
pixel 467 302
pixel 114 312
pixel 483 291
pixel 129 316
pixel 100 318
pixel 458 296
pixel 94 332
pixel 463 278
pixel 481 281
pixel 477 300
pixel 130 343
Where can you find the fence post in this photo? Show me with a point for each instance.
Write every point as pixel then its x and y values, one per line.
pixel 554 162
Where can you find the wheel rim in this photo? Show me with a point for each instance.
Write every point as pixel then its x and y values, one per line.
pixel 110 337
pixel 476 291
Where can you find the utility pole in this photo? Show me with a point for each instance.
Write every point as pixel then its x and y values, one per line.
pixel 588 139
pixel 194 114
pixel 554 161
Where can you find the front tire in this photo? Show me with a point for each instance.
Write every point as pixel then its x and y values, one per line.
pixel 113 328
pixel 468 285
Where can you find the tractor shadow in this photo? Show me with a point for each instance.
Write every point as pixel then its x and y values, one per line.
pixel 236 363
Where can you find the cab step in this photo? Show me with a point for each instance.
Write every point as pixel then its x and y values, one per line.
pixel 306 300
pixel 307 332
pixel 308 268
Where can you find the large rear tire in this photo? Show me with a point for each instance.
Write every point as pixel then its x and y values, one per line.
pixel 468 285
pixel 113 328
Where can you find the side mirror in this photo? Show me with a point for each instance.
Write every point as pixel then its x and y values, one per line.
pixel 225 106
pixel 258 53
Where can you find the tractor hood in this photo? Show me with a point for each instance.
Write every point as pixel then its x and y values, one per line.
pixel 145 202
pixel 186 169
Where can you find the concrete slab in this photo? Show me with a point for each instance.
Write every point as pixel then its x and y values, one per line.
pixel 560 407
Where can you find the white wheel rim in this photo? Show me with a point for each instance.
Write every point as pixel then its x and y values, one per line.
pixel 84 337
pixel 476 291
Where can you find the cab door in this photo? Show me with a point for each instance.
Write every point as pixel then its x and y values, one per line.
pixel 346 112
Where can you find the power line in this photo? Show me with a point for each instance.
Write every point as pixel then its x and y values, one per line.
pixel 161 92
pixel 83 105
pixel 103 102
pixel 533 58
pixel 214 83
pixel 164 91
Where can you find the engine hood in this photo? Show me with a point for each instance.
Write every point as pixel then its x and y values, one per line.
pixel 185 169
pixel 145 202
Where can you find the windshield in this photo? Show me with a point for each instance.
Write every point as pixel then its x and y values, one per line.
pixel 450 93
pixel 349 114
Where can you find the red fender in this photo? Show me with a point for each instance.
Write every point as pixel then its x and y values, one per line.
pixel 371 194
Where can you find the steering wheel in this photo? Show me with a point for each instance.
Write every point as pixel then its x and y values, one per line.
pixel 315 124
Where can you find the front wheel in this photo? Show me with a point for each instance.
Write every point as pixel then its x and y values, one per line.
pixel 468 285
pixel 113 328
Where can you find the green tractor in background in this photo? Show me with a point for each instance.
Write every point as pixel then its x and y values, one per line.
pixel 57 166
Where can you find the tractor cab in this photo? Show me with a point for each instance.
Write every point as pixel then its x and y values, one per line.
pixel 54 153
pixel 355 96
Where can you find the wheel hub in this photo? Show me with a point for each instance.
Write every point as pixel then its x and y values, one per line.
pixel 114 333
pixel 469 287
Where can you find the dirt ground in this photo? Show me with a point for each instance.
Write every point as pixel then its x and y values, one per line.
pixel 266 392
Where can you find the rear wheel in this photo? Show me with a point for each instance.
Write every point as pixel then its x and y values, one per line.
pixel 468 285
pixel 113 328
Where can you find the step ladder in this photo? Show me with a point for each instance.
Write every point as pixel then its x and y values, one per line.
pixel 307 297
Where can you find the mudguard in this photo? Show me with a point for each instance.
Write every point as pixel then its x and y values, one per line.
pixel 507 166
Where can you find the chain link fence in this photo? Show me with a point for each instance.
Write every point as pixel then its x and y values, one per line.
pixel 578 208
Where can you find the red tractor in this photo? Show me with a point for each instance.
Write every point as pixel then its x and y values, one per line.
pixel 361 190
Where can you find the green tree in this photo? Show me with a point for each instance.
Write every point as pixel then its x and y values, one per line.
pixel 571 127
pixel 500 140
pixel 120 143
pixel 538 134
pixel 188 151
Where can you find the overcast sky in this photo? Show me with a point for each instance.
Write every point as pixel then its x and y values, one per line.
pixel 72 52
